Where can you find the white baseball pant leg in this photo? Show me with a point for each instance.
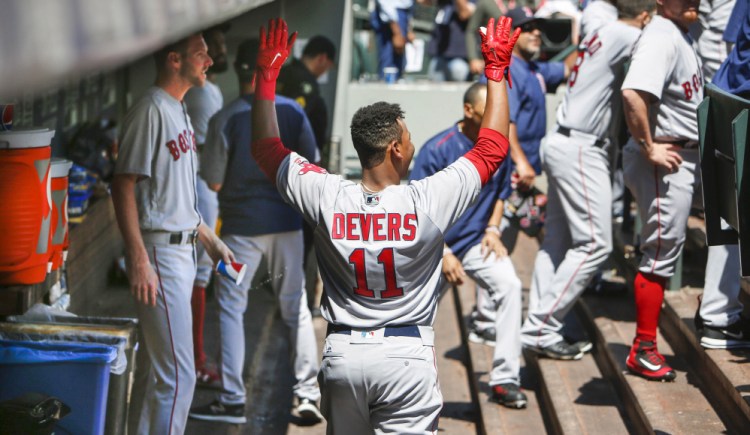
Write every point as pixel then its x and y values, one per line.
pixel 664 200
pixel 385 388
pixel 498 280
pixel 208 206
pixel 578 237
pixel 165 372
pixel 283 252
pixel 721 304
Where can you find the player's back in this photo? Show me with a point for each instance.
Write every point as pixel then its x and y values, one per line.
pixel 594 82
pixel 379 253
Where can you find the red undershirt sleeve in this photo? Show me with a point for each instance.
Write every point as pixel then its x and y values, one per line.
pixel 269 153
pixel 488 153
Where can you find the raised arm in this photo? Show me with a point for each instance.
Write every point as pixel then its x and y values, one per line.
pixel 266 148
pixel 492 145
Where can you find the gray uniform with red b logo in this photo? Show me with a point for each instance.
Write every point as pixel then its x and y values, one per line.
pixel 665 65
pixel 380 260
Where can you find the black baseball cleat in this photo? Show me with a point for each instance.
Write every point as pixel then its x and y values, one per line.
pixel 308 411
pixel 485 336
pixel 509 395
pixel 560 350
pixel 645 361
pixel 734 336
pixel 217 411
pixel 583 345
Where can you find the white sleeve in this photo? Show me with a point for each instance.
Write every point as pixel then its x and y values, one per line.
pixel 306 187
pixel 445 195
pixel 651 65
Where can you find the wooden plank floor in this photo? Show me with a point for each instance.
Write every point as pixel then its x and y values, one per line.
pixel 672 407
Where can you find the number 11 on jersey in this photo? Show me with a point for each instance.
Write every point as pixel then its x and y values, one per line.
pixel 392 290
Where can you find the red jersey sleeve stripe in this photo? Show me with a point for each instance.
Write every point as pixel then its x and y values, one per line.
pixel 488 153
pixel 269 153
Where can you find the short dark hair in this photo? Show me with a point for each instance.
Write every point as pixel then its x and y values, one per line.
pixel 319 44
pixel 180 47
pixel 632 8
pixel 472 94
pixel 373 128
pixel 247 57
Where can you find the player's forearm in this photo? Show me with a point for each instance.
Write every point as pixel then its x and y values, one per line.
pixel 516 152
pixel 496 112
pixel 635 108
pixel 266 147
pixel 497 214
pixel 126 212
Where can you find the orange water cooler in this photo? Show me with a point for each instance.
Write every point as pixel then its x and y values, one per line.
pixel 59 240
pixel 26 214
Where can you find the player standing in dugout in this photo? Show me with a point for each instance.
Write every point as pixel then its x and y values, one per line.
pixel 380 243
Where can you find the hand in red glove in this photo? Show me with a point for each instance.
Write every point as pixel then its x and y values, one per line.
pixel 274 50
pixel 497 47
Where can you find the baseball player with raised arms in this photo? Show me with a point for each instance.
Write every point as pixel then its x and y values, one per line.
pixel 153 192
pixel 661 93
pixel 380 244
pixel 576 157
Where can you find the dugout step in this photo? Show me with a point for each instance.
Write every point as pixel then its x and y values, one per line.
pixel 670 407
pixel 724 374
pixel 494 418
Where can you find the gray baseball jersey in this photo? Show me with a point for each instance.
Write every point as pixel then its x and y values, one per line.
pixel 203 103
pixel 665 65
pixel 578 223
pixel 157 143
pixel 595 78
pixel 597 14
pixel 379 254
pixel 708 34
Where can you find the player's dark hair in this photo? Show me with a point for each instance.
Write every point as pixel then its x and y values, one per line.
pixel 319 44
pixel 632 8
pixel 180 47
pixel 474 93
pixel 247 57
pixel 373 128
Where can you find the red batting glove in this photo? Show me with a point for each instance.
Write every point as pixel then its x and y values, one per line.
pixel 497 48
pixel 273 52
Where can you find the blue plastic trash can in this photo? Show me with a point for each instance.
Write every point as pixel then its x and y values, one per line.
pixel 75 373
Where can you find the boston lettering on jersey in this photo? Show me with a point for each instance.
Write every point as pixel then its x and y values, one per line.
pixel 181 145
pixel 692 86
pixel 374 226
pixel 588 46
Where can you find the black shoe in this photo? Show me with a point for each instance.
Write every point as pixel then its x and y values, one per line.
pixel 509 395
pixel 560 350
pixel 217 411
pixel 583 345
pixel 486 336
pixel 308 411
pixel 734 336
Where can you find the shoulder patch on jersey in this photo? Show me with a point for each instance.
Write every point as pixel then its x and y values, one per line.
pixel 301 101
pixel 306 167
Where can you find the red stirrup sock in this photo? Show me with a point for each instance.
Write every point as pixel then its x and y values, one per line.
pixel 649 295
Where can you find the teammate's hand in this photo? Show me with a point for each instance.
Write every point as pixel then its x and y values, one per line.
pixel 143 281
pixel 476 66
pixel 524 176
pixel 453 270
pixel 491 243
pixel 497 48
pixel 275 46
pixel 664 154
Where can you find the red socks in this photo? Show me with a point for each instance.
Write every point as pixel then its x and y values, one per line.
pixel 198 305
pixel 649 295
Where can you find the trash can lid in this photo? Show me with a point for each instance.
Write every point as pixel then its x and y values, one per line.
pixel 26 138
pixel 37 352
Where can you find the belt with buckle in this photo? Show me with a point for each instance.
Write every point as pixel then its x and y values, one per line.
pixel 565 131
pixel 682 143
pixel 170 238
pixel 390 331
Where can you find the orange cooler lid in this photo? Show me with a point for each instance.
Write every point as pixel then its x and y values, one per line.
pixel 28 138
pixel 60 167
